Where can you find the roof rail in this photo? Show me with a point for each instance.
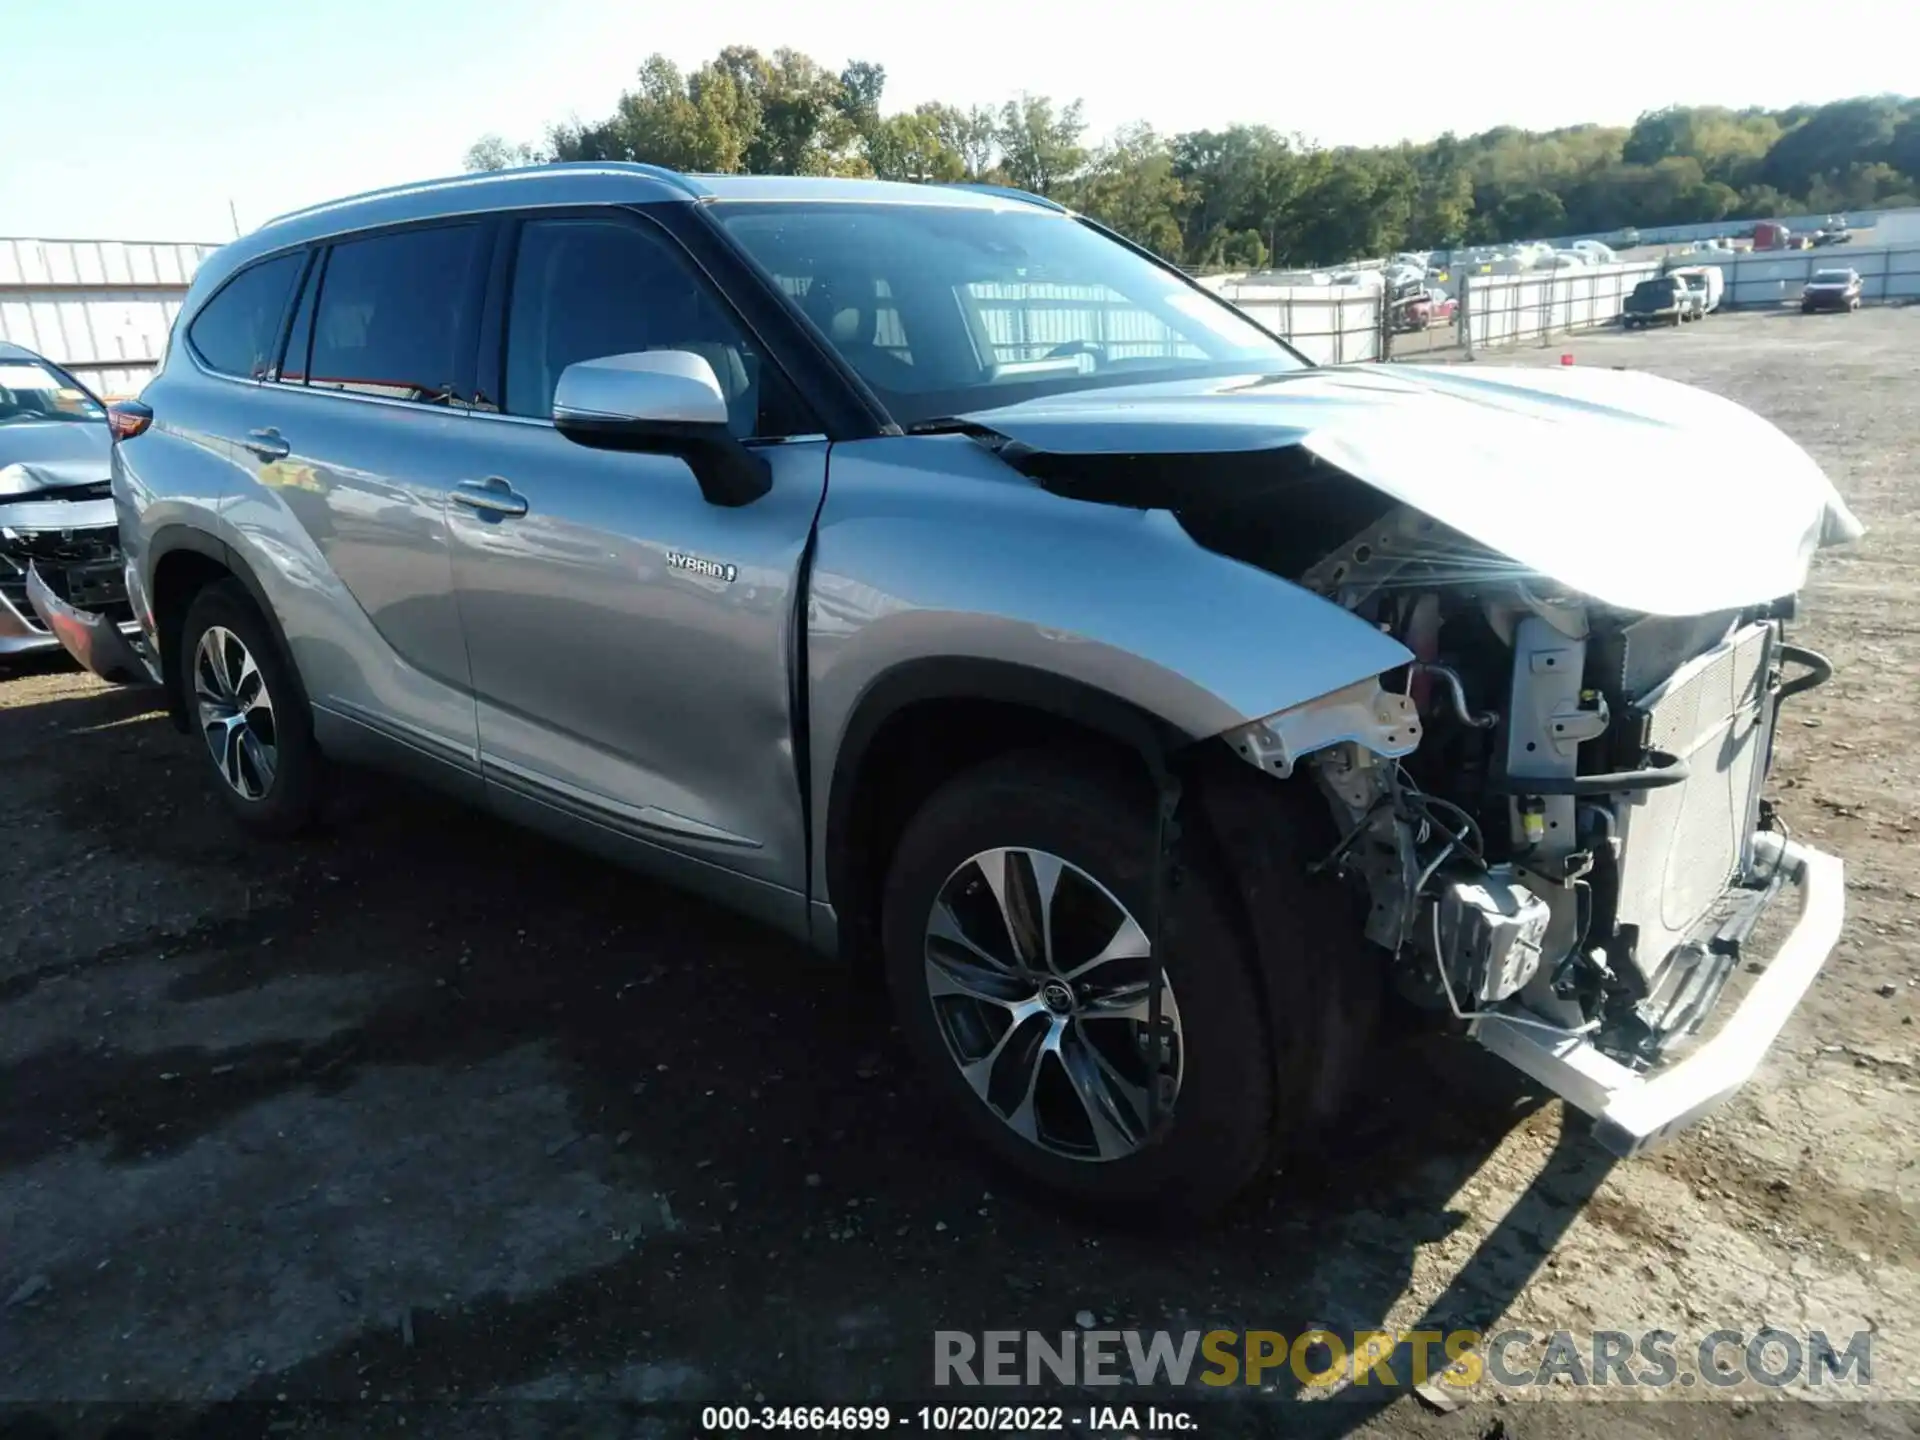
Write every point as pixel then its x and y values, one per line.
pixel 1007 192
pixel 484 177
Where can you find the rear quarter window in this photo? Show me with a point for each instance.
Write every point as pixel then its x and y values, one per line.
pixel 237 331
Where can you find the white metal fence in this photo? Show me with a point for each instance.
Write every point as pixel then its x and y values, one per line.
pixel 1507 309
pixel 1775 277
pixel 1329 324
pixel 101 308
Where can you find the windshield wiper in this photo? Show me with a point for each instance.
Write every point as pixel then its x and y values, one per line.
pixel 948 425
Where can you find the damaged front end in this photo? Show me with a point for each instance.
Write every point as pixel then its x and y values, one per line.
pixel 1555 812
pixel 1553 809
pixel 63 575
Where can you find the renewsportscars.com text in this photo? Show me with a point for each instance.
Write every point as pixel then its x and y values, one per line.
pixel 1458 1358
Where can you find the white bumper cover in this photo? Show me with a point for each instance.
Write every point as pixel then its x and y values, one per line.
pixel 1633 1111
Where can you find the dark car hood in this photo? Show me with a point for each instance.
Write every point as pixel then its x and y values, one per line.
pixel 1642 492
pixel 52 455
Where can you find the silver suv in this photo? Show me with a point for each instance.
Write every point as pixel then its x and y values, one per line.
pixel 944 580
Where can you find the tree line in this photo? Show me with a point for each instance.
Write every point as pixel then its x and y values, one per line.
pixel 1249 195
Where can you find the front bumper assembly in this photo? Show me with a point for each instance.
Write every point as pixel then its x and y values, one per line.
pixel 1633 1111
pixel 111 651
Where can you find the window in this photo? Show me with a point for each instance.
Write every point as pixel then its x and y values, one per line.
pixel 587 288
pixel 397 315
pixel 236 331
pixel 31 390
pixel 946 308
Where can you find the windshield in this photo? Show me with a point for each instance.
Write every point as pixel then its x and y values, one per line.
pixel 1655 289
pixel 1833 277
pixel 30 390
pixel 943 309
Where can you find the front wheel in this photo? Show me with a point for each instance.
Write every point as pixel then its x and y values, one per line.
pixel 1016 924
pixel 242 700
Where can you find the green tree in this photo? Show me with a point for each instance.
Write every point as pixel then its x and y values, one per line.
pixel 490 152
pixel 1040 147
pixel 1246 194
pixel 1833 137
pixel 1903 150
pixel 1530 214
pixel 1130 185
pixel 911 147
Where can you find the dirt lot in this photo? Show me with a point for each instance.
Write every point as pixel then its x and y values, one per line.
pixel 426 1109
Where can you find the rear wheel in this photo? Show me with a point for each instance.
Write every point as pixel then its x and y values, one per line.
pixel 242 700
pixel 1016 921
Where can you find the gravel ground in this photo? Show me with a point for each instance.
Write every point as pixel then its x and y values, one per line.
pixel 427 1109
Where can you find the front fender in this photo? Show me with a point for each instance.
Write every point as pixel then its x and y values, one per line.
pixel 930 549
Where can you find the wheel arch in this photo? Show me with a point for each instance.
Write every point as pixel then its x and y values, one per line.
pixel 184 561
pixel 926 719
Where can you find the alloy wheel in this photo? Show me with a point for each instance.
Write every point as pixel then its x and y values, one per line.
pixel 236 712
pixel 1039 977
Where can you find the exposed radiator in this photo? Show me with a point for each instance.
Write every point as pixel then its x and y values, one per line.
pixel 1682 846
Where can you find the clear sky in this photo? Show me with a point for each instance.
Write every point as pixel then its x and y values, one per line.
pixel 143 121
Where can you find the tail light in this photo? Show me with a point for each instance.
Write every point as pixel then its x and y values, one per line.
pixel 128 418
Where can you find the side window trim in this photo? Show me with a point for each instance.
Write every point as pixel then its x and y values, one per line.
pixel 492 349
pixel 306 299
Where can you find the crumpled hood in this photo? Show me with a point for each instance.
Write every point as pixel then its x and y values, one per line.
pixel 53 454
pixel 1641 492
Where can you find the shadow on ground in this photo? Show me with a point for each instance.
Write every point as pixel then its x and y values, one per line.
pixel 820 1224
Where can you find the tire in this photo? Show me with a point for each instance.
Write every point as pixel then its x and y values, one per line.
pixel 254 712
pixel 1222 1117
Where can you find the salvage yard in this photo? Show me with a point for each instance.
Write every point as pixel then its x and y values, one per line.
pixel 428 1108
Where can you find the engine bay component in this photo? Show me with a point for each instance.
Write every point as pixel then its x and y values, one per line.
pixel 1490 930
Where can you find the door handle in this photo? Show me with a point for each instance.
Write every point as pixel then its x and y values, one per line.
pixel 493 495
pixel 268 444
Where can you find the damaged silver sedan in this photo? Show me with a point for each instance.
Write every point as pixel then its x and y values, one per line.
pixel 933 575
pixel 58 532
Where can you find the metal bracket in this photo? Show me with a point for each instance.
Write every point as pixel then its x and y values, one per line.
pixel 1363 713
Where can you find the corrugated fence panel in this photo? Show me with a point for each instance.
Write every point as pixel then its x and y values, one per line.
pixel 1506 309
pixel 1889 272
pixel 1329 324
pixel 102 308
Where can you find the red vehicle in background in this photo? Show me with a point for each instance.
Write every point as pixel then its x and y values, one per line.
pixel 1772 235
pixel 1424 308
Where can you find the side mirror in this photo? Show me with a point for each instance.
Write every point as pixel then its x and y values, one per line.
pixel 663 402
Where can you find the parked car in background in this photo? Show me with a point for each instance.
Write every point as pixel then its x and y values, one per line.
pixel 1831 290
pixel 1662 300
pixel 1426 308
pixel 1625 239
pixel 1834 232
pixel 56 502
pixel 1712 282
pixel 1697 290
pixel 1132 700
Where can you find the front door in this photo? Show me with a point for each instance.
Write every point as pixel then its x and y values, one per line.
pixel 630 644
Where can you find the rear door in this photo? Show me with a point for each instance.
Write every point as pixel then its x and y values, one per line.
pixel 356 434
pixel 632 645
